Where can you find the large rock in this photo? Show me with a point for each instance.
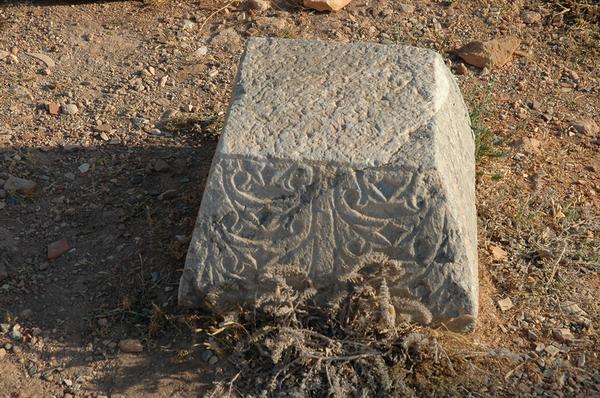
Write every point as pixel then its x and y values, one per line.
pixel 491 54
pixel 326 5
pixel 332 152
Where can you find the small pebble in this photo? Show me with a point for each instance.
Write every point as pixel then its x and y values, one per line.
pixel 84 168
pixel 131 346
pixel 461 69
pixel 531 17
pixel 19 185
pixel 505 304
pixel 58 248
pixel 159 165
pixel 53 108
pixel 201 51
pixel 406 8
pixel 206 355
pixel 69 109
pixel 258 5
pixel 15 333
pixel 188 25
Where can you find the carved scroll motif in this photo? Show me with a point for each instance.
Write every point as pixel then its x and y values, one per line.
pixel 321 217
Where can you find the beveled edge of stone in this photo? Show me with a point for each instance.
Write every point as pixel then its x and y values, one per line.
pixel 403 139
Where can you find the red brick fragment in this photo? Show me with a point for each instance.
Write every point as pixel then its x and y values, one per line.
pixel 54 108
pixel 58 248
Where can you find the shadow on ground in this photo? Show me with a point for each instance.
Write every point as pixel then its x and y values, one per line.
pixel 127 214
pixel 44 3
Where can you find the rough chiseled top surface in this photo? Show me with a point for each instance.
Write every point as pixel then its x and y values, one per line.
pixel 357 103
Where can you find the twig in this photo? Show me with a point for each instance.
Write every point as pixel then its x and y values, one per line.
pixel 215 13
pixel 117 311
pixel 213 392
pixel 510 372
pixel 231 383
pixel 470 393
pixel 331 387
pixel 564 11
pixel 343 358
pixel 141 268
pixel 555 267
pixel 561 6
pixel 477 354
pixel 283 369
pixel 447 357
pixel 321 336
pixel 226 326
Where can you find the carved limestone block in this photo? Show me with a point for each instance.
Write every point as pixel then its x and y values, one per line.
pixel 332 152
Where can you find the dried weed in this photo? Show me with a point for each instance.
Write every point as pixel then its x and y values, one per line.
pixel 359 341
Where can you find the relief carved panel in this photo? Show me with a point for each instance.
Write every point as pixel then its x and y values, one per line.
pixel 259 213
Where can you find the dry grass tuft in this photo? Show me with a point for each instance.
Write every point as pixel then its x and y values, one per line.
pixel 361 342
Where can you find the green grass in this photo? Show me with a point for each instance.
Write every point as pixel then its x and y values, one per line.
pixel 485 139
pixel 483 136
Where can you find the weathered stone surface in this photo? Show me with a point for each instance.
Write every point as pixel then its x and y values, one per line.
pixel 331 152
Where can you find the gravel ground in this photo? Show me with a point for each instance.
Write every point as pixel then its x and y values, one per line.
pixel 110 112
